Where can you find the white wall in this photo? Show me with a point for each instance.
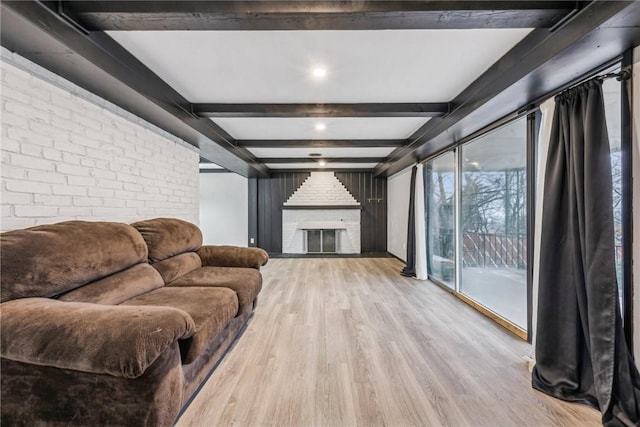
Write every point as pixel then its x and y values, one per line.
pixel 68 154
pixel 224 209
pixel 636 202
pixel 398 212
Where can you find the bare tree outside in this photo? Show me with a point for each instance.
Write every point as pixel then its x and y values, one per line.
pixel 494 218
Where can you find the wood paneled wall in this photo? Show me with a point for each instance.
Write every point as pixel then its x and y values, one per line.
pixel 369 191
pixel 272 193
pixel 372 194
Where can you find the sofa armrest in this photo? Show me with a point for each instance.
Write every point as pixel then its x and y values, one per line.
pixel 121 341
pixel 233 256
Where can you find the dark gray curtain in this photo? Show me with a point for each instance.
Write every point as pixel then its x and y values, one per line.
pixel 410 268
pixel 581 354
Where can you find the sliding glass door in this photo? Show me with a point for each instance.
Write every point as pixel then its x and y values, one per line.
pixel 440 196
pixel 493 221
pixel 476 213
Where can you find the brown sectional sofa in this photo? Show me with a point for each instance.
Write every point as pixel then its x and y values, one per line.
pixel 106 323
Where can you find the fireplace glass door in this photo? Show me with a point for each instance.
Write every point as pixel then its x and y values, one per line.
pixel 329 241
pixel 321 241
pixel 314 241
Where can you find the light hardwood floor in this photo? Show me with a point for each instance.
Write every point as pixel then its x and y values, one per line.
pixel 350 342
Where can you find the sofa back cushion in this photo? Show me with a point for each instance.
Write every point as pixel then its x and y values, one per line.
pixel 49 260
pixel 167 237
pixel 118 287
pixel 177 266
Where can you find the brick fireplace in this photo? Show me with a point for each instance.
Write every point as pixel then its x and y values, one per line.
pixel 323 207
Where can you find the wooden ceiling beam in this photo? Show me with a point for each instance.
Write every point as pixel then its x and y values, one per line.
pixel 314 15
pixel 320 143
pixel 328 160
pixel 428 109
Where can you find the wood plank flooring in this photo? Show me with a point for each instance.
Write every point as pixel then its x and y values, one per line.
pixel 350 342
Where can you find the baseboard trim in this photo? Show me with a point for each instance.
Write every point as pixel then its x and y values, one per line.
pixel 323 255
pixel 511 327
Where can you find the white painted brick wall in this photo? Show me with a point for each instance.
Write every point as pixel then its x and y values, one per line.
pixel 321 188
pixel 68 154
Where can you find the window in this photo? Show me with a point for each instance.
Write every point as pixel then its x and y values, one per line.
pixel 440 197
pixel 493 221
pixel 611 90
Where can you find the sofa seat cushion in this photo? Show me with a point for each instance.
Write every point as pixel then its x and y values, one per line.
pixel 121 341
pixel 246 282
pixel 211 309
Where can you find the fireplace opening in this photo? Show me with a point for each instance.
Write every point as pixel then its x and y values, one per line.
pixel 321 241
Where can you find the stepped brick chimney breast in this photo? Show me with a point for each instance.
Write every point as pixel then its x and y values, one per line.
pixel 322 189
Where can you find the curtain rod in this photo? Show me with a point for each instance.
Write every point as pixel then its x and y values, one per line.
pixel 593 74
pixel 621 76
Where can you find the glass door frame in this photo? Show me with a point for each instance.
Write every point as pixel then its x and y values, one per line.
pixel 534 119
pixel 458 221
pixel 626 143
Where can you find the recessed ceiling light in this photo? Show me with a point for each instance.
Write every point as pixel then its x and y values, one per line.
pixel 322 163
pixel 320 127
pixel 319 72
pixel 315 154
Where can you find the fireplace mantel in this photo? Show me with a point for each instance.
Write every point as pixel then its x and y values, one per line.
pixel 322 207
pixel 322 225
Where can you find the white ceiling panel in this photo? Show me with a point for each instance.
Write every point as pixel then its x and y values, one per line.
pixel 207 166
pixel 325 152
pixel 361 66
pixel 317 166
pixel 334 128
